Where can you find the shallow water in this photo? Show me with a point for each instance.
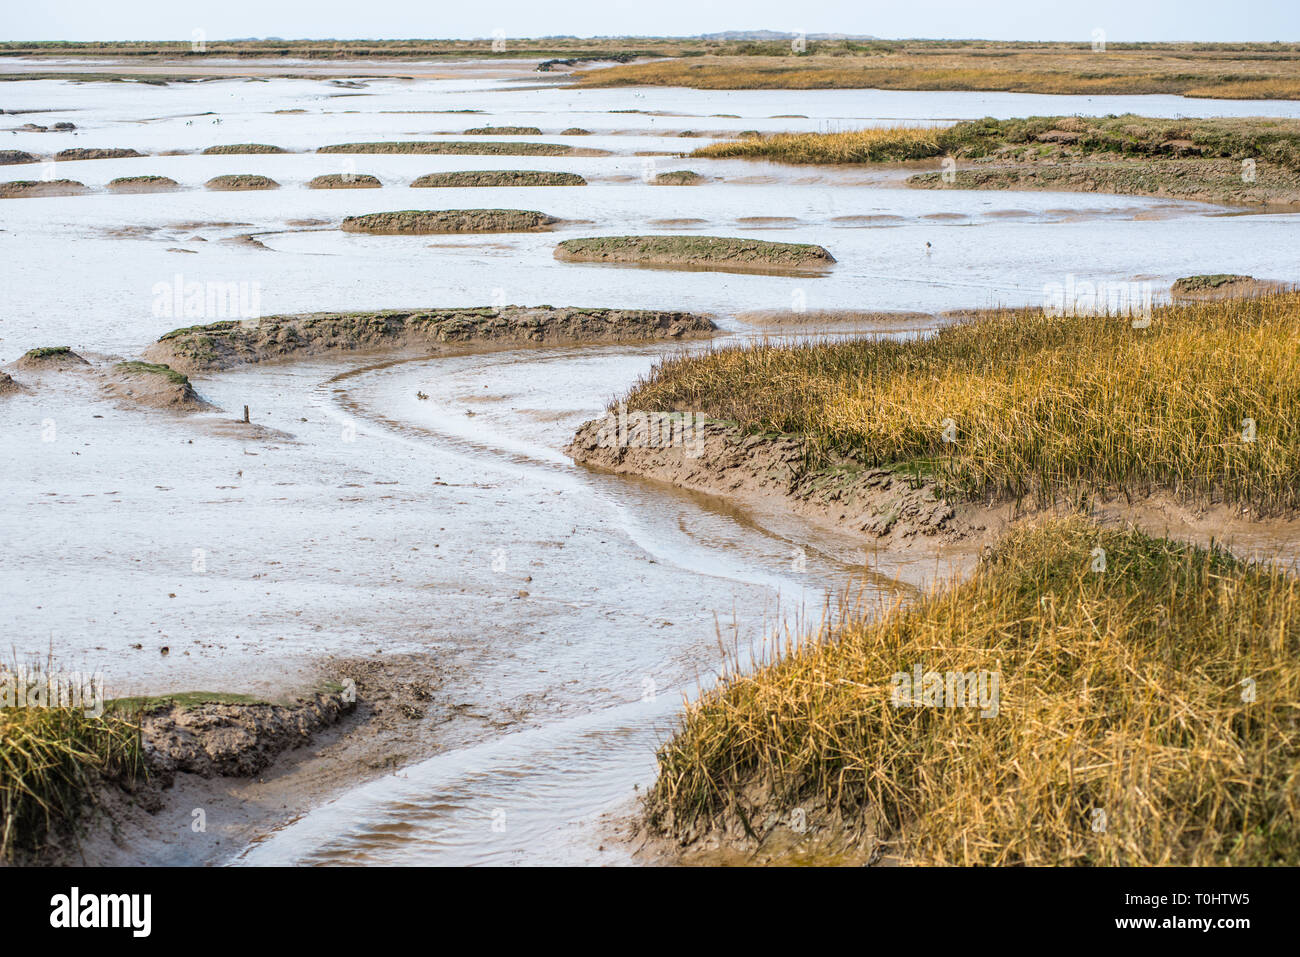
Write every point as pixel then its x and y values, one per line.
pixel 380 523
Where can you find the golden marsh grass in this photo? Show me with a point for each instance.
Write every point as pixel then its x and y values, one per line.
pixel 1145 715
pixel 1245 71
pixel 50 761
pixel 1203 403
pixel 1044 137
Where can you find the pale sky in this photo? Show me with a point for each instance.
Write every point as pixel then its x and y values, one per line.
pixel 1122 20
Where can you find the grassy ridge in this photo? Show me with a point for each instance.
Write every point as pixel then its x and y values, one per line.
pixel 1121 692
pixel 1019 403
pixel 1270 140
pixel 888 144
pixel 1200 70
pixel 1229 70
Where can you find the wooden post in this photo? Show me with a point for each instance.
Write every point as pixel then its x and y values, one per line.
pixel 245 413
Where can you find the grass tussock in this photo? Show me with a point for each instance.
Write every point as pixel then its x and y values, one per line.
pixel 1019 403
pixel 50 762
pixel 1145 715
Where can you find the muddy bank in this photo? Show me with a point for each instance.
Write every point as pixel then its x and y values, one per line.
pixel 236 181
pixel 17 157
pixel 419 222
pixel 888 505
pixel 500 177
pixel 221 345
pixel 209 738
pixel 218 738
pixel 345 181
pixel 28 189
pixel 252 765
pixel 1220 181
pixel 143 184
pixel 459 148
pixel 892 507
pixel 703 252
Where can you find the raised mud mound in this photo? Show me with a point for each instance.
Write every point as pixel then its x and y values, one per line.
pixel 28 188
pixel 143 184
pixel 417 222
pixel 678 177
pixel 500 177
pixel 50 357
pixel 8 386
pixel 720 459
pixel 233 181
pixel 95 154
pixel 345 181
pixel 453 147
pixel 504 131
pixel 697 251
pixel 224 344
pixel 14 157
pixel 238 740
pixel 156 386
pixel 238 148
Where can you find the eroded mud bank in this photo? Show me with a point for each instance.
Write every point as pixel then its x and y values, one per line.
pixel 224 344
